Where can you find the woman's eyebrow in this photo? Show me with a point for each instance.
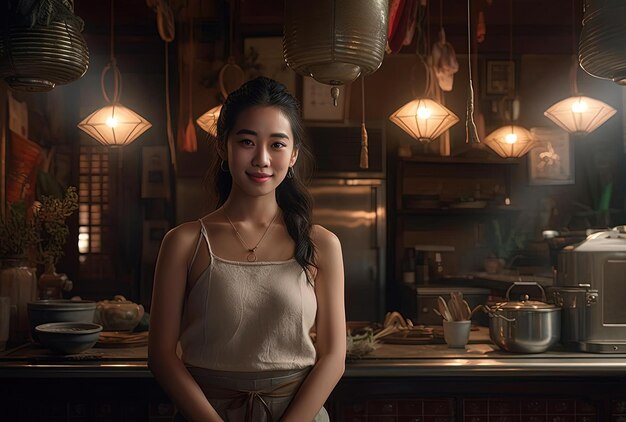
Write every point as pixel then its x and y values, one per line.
pixel 279 135
pixel 246 132
pixel 253 133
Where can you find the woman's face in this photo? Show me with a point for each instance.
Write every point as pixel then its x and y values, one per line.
pixel 260 150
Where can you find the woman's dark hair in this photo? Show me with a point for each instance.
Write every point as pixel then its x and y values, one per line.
pixel 292 196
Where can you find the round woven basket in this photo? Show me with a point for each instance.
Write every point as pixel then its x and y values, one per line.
pixel 602 48
pixel 39 58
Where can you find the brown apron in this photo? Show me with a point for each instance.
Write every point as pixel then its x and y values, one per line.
pixel 251 396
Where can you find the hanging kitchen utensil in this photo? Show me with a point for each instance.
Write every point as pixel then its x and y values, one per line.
pixel 335 41
pixel 443 56
pixel 186 138
pixel 364 161
pixel 471 134
pixel 41 47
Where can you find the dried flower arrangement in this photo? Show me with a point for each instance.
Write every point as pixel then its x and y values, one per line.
pixel 41 230
pixel 49 222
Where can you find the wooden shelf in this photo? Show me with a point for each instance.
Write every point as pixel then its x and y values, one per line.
pixel 436 159
pixel 445 212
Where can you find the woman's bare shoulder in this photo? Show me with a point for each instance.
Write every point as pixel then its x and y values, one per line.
pixel 324 238
pixel 183 235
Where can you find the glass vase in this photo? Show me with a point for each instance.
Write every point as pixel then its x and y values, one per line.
pixel 18 281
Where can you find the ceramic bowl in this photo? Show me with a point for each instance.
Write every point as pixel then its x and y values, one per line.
pixel 59 310
pixel 118 314
pixel 68 337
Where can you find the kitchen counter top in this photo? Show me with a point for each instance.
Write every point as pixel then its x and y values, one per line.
pixel 480 359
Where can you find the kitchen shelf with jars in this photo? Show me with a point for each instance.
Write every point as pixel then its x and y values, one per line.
pixel 450 201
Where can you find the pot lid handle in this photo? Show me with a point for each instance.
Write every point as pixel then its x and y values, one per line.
pixel 525 283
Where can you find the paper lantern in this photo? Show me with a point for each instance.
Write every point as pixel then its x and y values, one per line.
pixel 114 125
pixel 579 114
pixel 510 141
pixel 335 41
pixel 424 119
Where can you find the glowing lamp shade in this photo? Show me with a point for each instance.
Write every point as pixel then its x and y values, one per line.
pixel 208 121
pixel 579 114
pixel 114 125
pixel 510 141
pixel 424 119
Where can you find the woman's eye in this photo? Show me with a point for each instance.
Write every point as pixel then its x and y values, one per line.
pixel 246 142
pixel 278 145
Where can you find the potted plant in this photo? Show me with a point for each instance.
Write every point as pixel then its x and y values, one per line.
pixel 503 246
pixel 52 231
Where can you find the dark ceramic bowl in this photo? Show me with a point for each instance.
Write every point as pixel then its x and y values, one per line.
pixel 59 310
pixel 68 337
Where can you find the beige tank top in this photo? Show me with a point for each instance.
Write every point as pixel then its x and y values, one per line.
pixel 248 316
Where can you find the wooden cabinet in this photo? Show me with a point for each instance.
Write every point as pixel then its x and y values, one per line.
pixel 452 202
pixel 478 400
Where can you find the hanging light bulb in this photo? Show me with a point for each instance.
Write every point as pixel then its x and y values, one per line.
pixel 578 114
pixel 114 124
pixel 424 119
pixel 510 141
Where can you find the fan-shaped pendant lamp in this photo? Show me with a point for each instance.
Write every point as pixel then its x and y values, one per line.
pixel 114 125
pixel 424 119
pixel 208 121
pixel 579 114
pixel 510 141
pixel 335 41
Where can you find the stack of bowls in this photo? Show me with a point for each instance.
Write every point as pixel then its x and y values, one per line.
pixel 73 330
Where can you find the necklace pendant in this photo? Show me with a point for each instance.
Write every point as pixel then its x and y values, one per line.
pixel 251 257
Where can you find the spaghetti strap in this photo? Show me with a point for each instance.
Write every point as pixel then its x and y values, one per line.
pixel 206 238
pixel 195 253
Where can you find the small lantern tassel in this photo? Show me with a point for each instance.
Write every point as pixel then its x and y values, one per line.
pixel 364 164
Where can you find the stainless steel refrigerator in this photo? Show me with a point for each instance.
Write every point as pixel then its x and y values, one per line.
pixel 354 209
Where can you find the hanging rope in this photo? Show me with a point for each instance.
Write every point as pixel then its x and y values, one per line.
pixel 112 65
pixel 364 163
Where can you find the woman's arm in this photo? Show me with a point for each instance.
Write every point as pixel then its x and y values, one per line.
pixel 331 330
pixel 165 315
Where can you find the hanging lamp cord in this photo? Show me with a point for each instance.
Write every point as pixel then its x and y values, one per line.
pixel 574 68
pixel 112 65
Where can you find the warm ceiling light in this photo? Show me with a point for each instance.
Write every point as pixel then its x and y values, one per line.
pixel 424 119
pixel 208 121
pixel 114 125
pixel 579 114
pixel 510 141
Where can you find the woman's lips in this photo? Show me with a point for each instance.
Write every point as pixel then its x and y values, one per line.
pixel 259 178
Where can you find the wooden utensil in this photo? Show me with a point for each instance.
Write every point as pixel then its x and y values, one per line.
pixel 443 309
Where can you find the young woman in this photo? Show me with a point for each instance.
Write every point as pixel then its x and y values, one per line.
pixel 242 287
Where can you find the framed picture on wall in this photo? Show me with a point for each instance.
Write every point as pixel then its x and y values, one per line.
pixel 551 162
pixel 500 77
pixel 317 103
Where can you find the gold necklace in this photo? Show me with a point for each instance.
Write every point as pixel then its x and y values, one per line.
pixel 251 257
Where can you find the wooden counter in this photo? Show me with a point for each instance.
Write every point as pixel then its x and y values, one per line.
pixel 399 383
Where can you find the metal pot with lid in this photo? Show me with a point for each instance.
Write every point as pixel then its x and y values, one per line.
pixel 524 326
